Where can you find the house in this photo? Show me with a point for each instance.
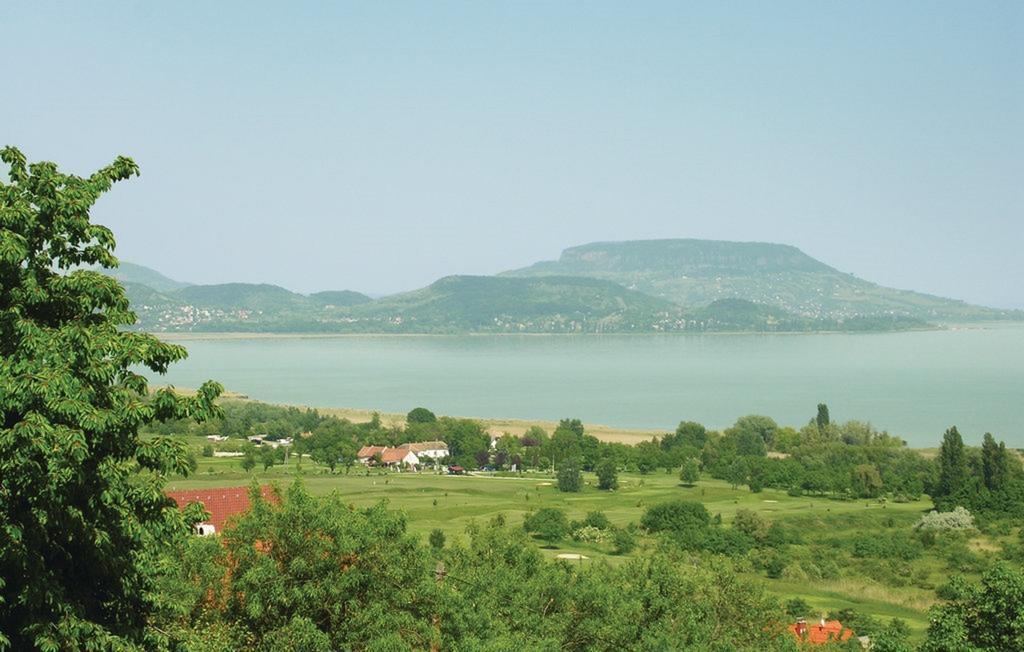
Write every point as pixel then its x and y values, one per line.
pixel 222 504
pixel 217 437
pixel 399 457
pixel 434 450
pixel 406 454
pixel 826 631
pixel 366 453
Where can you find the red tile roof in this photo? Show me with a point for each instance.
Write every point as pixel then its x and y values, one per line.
pixel 393 455
pixel 221 503
pixel 370 451
pixel 819 633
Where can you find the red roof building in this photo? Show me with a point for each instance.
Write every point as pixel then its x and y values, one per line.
pixel 820 633
pixel 221 503
pixel 366 452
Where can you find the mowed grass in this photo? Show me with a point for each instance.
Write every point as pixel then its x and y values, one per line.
pixel 449 503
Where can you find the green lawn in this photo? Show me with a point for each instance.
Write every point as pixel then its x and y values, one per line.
pixel 430 501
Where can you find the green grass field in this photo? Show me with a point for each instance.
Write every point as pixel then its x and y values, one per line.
pixel 430 500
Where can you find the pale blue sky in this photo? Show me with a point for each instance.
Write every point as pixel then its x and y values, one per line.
pixel 380 145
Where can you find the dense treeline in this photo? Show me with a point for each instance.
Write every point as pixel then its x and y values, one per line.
pixel 315 574
pixel 836 460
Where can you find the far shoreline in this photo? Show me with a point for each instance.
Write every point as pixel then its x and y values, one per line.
pixel 179 336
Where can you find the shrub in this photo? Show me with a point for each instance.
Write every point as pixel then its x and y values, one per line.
pixel 597 520
pixel 623 542
pixel 437 539
pixel 776 564
pixel 958 519
pixel 797 608
pixel 590 534
pixel 208 450
pixel 751 524
pixel 677 515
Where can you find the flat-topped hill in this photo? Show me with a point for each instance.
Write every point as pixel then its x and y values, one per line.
pixel 695 273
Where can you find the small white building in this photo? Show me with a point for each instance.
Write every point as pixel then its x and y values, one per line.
pixel 434 450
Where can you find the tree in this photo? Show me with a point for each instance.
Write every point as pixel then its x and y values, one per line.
pixel 607 474
pixel 248 460
pixel 752 434
pixel 994 463
pixel 437 539
pixel 420 415
pixel 751 524
pixel 737 472
pixel 952 468
pixel 647 456
pixel 82 507
pixel 332 443
pixel 866 481
pixel 690 433
pixel 269 456
pixel 548 523
pixel 572 425
pixel 822 420
pixel 331 564
pixel 985 617
pixel 690 472
pixel 895 637
pixel 569 476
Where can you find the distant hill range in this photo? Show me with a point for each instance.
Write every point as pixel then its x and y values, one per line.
pixel 642 286
pixel 695 273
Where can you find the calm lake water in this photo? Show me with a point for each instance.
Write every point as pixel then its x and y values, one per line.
pixel 912 384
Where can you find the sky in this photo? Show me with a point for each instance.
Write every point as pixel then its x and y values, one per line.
pixel 378 146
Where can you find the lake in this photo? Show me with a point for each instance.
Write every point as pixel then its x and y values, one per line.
pixel 913 384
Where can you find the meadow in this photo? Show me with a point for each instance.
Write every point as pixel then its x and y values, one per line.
pixel 825 565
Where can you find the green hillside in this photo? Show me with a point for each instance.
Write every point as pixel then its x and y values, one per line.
pixel 696 273
pixel 339 298
pixel 243 296
pixel 141 275
pixel 493 304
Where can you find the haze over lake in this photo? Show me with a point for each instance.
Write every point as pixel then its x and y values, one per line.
pixel 913 384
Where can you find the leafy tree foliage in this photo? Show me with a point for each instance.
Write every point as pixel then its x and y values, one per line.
pixel 822 420
pixel 81 502
pixel 607 474
pixel 420 415
pixel 569 476
pixel 676 515
pixel 547 523
pixel 437 539
pixel 953 477
pixel 689 472
pixel 357 575
pixel 989 616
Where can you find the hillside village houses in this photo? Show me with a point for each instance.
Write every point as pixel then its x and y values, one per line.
pixel 410 455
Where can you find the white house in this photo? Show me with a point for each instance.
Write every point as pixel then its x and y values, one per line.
pixel 435 450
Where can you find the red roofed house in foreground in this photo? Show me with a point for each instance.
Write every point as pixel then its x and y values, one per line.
pixel 220 503
pixel 826 631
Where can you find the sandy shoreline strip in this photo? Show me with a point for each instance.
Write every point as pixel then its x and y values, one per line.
pixel 495 426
